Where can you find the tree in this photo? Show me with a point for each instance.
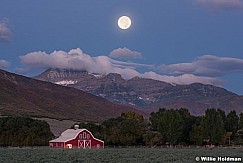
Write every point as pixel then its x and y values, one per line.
pixel 128 129
pixel 232 121
pixel 223 116
pixel 241 121
pixel 213 126
pixel 24 131
pixel 187 122
pixel 196 135
pixel 152 138
pixel 155 117
pixel 170 126
pixel 132 116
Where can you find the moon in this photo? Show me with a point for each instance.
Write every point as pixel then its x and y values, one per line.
pixel 124 22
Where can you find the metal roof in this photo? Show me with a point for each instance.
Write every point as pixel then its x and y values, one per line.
pixel 67 135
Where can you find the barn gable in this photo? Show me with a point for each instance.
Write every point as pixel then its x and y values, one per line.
pixel 76 138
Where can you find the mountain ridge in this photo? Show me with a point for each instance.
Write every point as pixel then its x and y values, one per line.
pixel 20 95
pixel 147 94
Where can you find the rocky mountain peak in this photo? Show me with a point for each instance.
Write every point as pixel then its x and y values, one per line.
pixel 146 93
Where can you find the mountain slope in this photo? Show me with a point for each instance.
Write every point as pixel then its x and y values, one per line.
pixel 147 94
pixel 26 96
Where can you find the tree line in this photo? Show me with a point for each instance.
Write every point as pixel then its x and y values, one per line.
pixel 170 126
pixel 24 131
pixel 166 126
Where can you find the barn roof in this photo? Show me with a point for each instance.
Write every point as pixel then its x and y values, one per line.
pixel 68 135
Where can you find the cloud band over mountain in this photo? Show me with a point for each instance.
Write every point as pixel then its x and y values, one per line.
pixel 76 59
pixel 207 65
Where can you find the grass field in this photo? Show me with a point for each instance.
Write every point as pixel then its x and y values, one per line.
pixel 121 155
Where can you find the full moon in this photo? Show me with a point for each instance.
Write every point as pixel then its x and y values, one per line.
pixel 124 22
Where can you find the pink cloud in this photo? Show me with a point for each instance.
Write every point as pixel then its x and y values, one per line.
pixel 4 64
pixel 184 79
pixel 125 53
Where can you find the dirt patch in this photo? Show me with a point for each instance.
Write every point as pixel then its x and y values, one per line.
pixel 57 126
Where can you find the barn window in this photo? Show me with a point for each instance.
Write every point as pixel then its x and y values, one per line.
pixel 84 135
pixel 81 136
pixel 88 136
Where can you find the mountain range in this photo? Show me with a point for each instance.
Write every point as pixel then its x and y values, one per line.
pixel 20 95
pixel 146 94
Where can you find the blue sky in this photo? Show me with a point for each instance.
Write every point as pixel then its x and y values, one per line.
pixel 177 41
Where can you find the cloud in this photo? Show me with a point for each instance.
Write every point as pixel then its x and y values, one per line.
pixel 125 53
pixel 5 32
pixel 216 5
pixel 184 79
pixel 75 59
pixel 207 65
pixel 78 60
pixel 4 64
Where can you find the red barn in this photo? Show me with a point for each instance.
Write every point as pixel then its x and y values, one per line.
pixel 76 138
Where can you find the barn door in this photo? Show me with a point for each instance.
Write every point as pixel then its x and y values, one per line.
pixel 84 144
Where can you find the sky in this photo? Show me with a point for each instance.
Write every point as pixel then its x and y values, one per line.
pixel 176 41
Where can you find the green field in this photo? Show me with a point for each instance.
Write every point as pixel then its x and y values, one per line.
pixel 121 155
